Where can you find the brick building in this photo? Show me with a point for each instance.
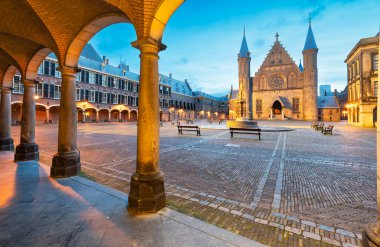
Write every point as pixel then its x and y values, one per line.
pixel 105 93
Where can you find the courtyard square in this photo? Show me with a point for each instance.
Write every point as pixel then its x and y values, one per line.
pixel 297 187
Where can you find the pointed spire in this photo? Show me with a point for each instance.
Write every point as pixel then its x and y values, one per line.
pixel 310 40
pixel 300 66
pixel 244 51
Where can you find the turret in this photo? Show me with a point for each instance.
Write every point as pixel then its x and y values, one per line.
pixel 245 85
pixel 310 73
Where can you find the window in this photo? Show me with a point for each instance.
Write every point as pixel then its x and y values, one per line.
pixel 296 104
pixel 104 98
pixel 259 105
pixel 375 88
pixel 161 89
pixel 48 68
pixel 17 85
pixel 40 90
pixel 114 99
pixel 57 91
pixel 375 62
pixel 84 76
pixel 91 96
pixel 91 77
pixel 110 81
pixel 78 94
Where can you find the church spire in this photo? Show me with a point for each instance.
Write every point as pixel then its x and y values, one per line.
pixel 300 66
pixel 310 40
pixel 244 51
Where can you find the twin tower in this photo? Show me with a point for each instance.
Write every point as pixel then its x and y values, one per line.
pixel 279 79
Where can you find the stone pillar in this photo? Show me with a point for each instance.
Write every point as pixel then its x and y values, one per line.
pixel 120 120
pixel 371 234
pixel 47 115
pixel 271 113
pixel 109 116
pixel 97 116
pixel 147 193
pixel 84 115
pixel 28 149
pixel 6 141
pixel 66 162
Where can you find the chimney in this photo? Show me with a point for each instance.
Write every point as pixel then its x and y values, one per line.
pixel 107 61
pixel 127 68
pixel 104 59
pixel 186 81
pixel 170 76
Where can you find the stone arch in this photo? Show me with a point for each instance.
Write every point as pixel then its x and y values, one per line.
pixel 125 115
pixel 8 76
pixel 54 113
pixel 161 16
pixel 133 115
pixel 115 115
pixel 103 114
pixel 35 62
pixel 89 30
pixel 90 114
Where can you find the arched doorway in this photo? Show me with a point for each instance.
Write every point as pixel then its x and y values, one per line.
pixel 133 116
pixel 103 115
pixel 374 112
pixel 40 114
pixel 114 116
pixel 276 109
pixel 16 113
pixel 125 116
pixel 80 115
pixel 54 114
pixel 90 115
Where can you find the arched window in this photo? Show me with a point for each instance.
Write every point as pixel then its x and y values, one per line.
pixel 292 80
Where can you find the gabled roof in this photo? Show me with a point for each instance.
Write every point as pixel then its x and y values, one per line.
pixel 209 96
pixel 244 51
pixel 90 53
pixel 327 102
pixel 285 102
pixel 277 56
pixel 179 87
pixel 310 40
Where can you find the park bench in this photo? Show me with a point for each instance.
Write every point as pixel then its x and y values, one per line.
pixel 182 128
pixel 314 125
pixel 253 131
pixel 328 130
pixel 319 127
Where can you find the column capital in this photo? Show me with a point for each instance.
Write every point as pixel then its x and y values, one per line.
pixel 29 82
pixel 68 70
pixel 149 44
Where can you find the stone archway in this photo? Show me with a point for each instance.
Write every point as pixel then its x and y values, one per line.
pixel 125 116
pixel 103 115
pixel 54 114
pixel 277 109
pixel 133 116
pixel 16 109
pixel 40 114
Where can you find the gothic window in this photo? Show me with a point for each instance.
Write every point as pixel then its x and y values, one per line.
pixel 296 104
pixel 263 82
pixel 276 82
pixel 292 80
pixel 259 105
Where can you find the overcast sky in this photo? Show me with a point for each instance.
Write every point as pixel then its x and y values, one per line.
pixel 204 37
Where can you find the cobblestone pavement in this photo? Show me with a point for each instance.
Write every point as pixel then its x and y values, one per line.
pixel 298 188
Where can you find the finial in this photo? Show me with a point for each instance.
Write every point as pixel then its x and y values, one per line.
pixel 309 19
pixel 244 30
pixel 277 35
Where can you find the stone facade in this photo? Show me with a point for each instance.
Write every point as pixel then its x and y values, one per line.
pixel 362 82
pixel 280 88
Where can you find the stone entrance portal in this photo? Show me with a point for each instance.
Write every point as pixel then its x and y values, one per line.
pixel 277 108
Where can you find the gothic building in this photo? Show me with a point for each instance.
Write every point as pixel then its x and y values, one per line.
pixel 279 89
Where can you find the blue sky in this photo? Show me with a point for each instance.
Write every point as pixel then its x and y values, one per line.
pixel 204 37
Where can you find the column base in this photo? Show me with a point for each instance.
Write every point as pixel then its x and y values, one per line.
pixel 371 235
pixel 25 152
pixel 147 194
pixel 6 145
pixel 65 165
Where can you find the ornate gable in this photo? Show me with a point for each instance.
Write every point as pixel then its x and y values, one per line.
pixel 278 56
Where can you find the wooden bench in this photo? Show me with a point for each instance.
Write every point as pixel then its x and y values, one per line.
pixel 182 128
pixel 314 125
pixel 319 127
pixel 253 131
pixel 328 130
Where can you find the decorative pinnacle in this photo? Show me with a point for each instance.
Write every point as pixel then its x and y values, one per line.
pixel 244 30
pixel 277 35
pixel 309 19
